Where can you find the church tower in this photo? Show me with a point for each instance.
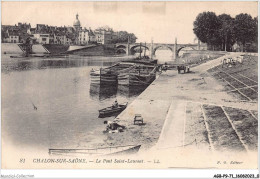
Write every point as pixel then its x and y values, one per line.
pixel 76 23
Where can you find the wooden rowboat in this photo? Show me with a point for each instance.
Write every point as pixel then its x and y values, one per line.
pixel 110 111
pixel 117 150
pixel 17 57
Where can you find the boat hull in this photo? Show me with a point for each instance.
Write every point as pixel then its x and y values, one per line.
pixel 107 112
pixel 107 151
pixel 109 75
pixel 132 150
pixel 135 80
pixel 142 61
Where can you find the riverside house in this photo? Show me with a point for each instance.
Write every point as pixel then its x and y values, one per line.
pixel 13 36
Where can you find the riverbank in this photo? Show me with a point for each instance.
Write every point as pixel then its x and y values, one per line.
pixel 29 63
pixel 56 49
pixel 190 112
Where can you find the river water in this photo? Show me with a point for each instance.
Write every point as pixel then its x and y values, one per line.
pixel 67 104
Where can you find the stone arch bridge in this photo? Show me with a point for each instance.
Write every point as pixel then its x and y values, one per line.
pixel 129 49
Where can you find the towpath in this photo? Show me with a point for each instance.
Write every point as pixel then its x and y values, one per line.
pixel 193 109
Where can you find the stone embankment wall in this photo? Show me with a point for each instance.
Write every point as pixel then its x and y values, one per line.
pixel 10 48
pixel 98 50
pixel 91 50
pixel 56 48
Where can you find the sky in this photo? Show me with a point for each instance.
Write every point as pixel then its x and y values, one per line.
pixel 162 21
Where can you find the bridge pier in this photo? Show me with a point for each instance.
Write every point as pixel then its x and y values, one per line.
pixel 175 50
pixel 151 50
pixel 127 49
pixel 127 46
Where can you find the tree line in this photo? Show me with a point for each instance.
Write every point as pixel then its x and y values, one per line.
pixel 122 36
pixel 222 32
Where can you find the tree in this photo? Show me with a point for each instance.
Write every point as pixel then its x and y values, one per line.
pixel 206 28
pixel 226 31
pixel 245 29
pixel 2 35
pixel 132 38
pixel 124 36
pixel 256 29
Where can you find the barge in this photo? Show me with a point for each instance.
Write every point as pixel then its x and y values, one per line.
pixel 139 76
pixel 109 75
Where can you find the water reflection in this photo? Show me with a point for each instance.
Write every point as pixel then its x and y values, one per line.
pixel 50 63
pixel 102 92
pixel 130 91
pixel 11 64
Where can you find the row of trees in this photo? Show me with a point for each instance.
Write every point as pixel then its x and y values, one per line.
pixel 124 36
pixel 223 31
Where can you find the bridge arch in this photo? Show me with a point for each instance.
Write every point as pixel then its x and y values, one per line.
pixel 121 50
pixel 121 46
pixel 162 46
pixel 132 49
pixel 181 48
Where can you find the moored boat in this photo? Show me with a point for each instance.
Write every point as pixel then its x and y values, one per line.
pixel 141 75
pixel 145 60
pixel 109 74
pixel 110 111
pixel 115 150
pixel 17 57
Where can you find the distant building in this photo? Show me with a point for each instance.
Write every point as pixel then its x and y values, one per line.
pixel 31 31
pixel 83 37
pixel 105 37
pixel 92 37
pixel 70 29
pixel 5 37
pixel 13 36
pixel 69 39
pixel 99 37
pixel 44 34
pixel 51 38
pixel 76 23
pixel 42 38
pixel 24 27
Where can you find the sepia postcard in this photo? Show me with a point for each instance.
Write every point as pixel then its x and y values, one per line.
pixel 129 85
